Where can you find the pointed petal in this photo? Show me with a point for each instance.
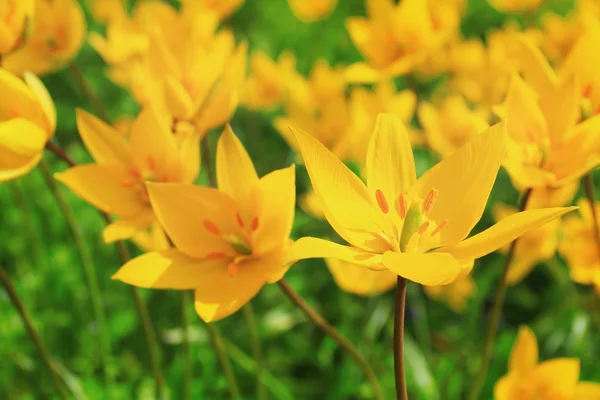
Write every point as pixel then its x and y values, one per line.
pixel 524 354
pixel 105 187
pixel 464 181
pixel 346 201
pixel 44 99
pixel 18 100
pixel 359 280
pixel 190 215
pixel 361 72
pixel 566 368
pixel 310 247
pixel 536 69
pixel 587 391
pixel 390 162
pixel 125 228
pixel 506 388
pixel 189 153
pixel 503 232
pixel 21 147
pixel 177 99
pixel 525 120
pixel 562 109
pixel 429 269
pixel 105 144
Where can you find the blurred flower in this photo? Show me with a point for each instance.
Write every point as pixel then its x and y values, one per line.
pixel 57 34
pixel 516 6
pixel 267 84
pixel 556 379
pixel 228 242
pixel 395 38
pixel 419 233
pixel 27 122
pixel 223 8
pixel 108 11
pixel 312 10
pixel 450 125
pixel 116 183
pixel 14 16
pixel 359 280
pixel 579 246
pixel 455 294
pixel 559 34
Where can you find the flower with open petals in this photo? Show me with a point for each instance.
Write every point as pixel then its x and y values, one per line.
pixel 415 228
pixel 228 242
pixel 556 379
pixel 312 10
pixel 57 34
pixel 13 20
pixel 27 122
pixel 116 183
pixel 267 84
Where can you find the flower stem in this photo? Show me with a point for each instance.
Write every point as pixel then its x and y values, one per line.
pixel 320 322
pixel 33 334
pixel 248 311
pixel 208 162
pixel 187 355
pixel 492 328
pixel 217 341
pixel 400 373
pixel 588 182
pixel 88 92
pixel 89 272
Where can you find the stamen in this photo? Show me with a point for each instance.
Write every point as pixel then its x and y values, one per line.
pixel 587 91
pixel 401 206
pixel 211 227
pixel 439 227
pixel 381 201
pixel 423 227
pixel 215 255
pixel 239 220
pixel 232 269
pixel 254 223
pixel 430 201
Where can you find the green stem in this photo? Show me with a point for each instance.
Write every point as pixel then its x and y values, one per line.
pixel 206 160
pixel 217 342
pixel 89 272
pixel 494 321
pixel 187 355
pixel 399 370
pixel 26 214
pixel 248 311
pixel 322 324
pixel 87 92
pixel 588 181
pixel 33 334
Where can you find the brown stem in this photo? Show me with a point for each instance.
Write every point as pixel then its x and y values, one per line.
pixel 400 372
pixel 88 92
pixel 208 162
pixel 60 153
pixel 320 322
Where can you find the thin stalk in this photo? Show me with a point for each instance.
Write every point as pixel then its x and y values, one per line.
pixel 248 311
pixel 206 160
pixel 87 92
pixel 28 221
pixel 217 341
pixel 60 153
pixel 187 355
pixel 322 324
pixel 588 182
pixel 89 272
pixel 399 370
pixel 33 334
pixel 494 321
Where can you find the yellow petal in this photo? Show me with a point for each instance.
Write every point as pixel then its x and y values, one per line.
pixel 18 100
pixel 524 354
pixel 236 175
pixel 125 228
pixel 220 295
pixel 195 217
pixel 105 187
pixel 429 269
pixel 177 99
pixel 503 232
pixel 546 373
pixel 106 144
pixel 587 391
pixel 463 182
pixel 524 118
pixel 360 280
pixel 277 212
pixel 310 247
pixel 21 147
pixel 189 153
pixel 362 73
pixel 562 109
pixel 43 97
pixel 536 70
pixel 390 162
pixel 347 204
pixel 506 388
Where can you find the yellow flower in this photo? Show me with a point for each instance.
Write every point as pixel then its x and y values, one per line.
pixel 223 8
pixel 124 43
pixel 451 125
pixel 415 228
pixel 359 280
pixel 455 294
pixel 57 34
pixel 312 10
pixel 267 84
pixel 559 34
pixel 516 6
pixel 395 38
pixel 556 379
pixel 108 11
pixel 229 242
pixel 116 183
pixel 14 15
pixel 579 246
pixel 27 122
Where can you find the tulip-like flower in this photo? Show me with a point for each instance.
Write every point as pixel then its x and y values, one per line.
pixel 415 228
pixel 27 122
pixel 312 10
pixel 228 241
pixel 58 32
pixel 116 183
pixel 267 85
pixel 14 15
pixel 556 379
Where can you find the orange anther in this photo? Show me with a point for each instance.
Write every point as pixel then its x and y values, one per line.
pixel 135 174
pixel 429 201
pixel 215 255
pixel 423 227
pixel 381 201
pixel 232 269
pixel 401 206
pixel 587 90
pixel 254 223
pixel 211 227
pixel 439 227
pixel 239 220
